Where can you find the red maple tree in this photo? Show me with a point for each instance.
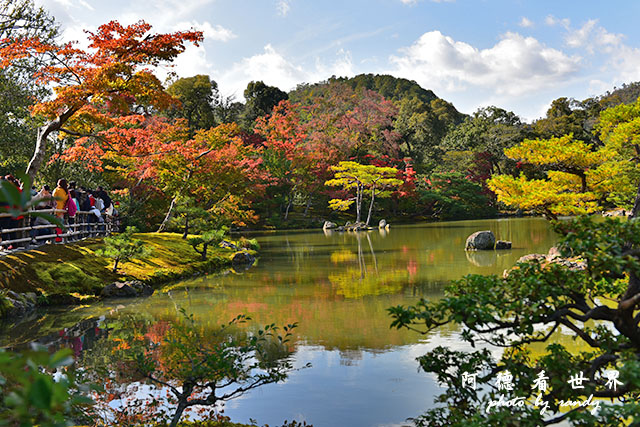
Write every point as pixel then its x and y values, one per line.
pixel 95 88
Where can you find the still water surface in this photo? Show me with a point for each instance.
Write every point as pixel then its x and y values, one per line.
pixel 337 286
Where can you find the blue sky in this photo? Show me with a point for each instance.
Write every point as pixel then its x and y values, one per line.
pixel 519 55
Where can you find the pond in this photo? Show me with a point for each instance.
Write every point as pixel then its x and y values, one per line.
pixel 337 286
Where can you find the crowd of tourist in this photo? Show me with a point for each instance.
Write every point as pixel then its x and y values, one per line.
pixel 65 201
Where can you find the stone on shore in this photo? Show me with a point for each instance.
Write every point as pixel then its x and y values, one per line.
pixel 243 258
pixel 616 213
pixel 130 289
pixel 532 257
pixel 328 225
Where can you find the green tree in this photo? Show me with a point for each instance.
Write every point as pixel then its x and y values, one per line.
pixel 452 195
pixel 21 18
pixel 420 128
pixel 18 89
pixel 569 116
pixel 228 110
pixel 491 130
pixel 199 98
pixel 123 248
pixel 201 243
pixel 619 129
pixel 353 176
pixel 261 99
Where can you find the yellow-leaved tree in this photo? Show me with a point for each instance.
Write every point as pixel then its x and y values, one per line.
pixel 576 178
pixel 353 176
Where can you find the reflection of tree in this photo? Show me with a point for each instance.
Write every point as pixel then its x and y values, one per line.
pixel 194 365
pixel 315 279
pixel 366 280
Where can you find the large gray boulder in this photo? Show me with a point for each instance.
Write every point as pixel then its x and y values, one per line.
pixel 481 241
pixel 133 288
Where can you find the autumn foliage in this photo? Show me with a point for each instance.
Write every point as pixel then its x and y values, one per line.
pixel 96 87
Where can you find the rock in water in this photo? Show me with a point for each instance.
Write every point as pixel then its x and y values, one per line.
pixel 503 244
pixel 481 241
pixel 133 288
pixel 328 225
pixel 243 258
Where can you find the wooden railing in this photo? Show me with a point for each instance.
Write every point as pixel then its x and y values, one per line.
pixel 84 224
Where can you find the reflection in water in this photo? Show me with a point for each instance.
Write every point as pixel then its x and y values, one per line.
pixel 482 258
pixel 338 287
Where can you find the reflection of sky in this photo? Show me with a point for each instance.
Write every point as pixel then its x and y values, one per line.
pixel 379 389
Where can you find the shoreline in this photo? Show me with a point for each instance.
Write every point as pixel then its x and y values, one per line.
pixel 74 274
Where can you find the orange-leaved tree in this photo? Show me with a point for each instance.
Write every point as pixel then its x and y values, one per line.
pixel 94 87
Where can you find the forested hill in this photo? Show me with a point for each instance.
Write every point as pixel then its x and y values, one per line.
pixel 626 94
pixel 392 88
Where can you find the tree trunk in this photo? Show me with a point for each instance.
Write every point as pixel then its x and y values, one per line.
pixel 306 209
pixel 115 265
pixel 41 141
pixel 163 226
pixel 286 212
pixel 186 226
pixel 635 212
pixel 373 197
pixel 204 251
pixel 178 414
pixel 358 202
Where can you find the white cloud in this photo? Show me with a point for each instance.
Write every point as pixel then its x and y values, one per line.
pixel 68 4
pixel 526 23
pixel 191 62
pixel 625 62
pixel 513 66
pixel 553 21
pixel 283 7
pixel 592 36
pixel 616 62
pixel 274 69
pixel 211 32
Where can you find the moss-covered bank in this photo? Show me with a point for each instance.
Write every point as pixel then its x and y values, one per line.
pixel 56 271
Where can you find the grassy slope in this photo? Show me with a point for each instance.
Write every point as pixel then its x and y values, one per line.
pixel 76 269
